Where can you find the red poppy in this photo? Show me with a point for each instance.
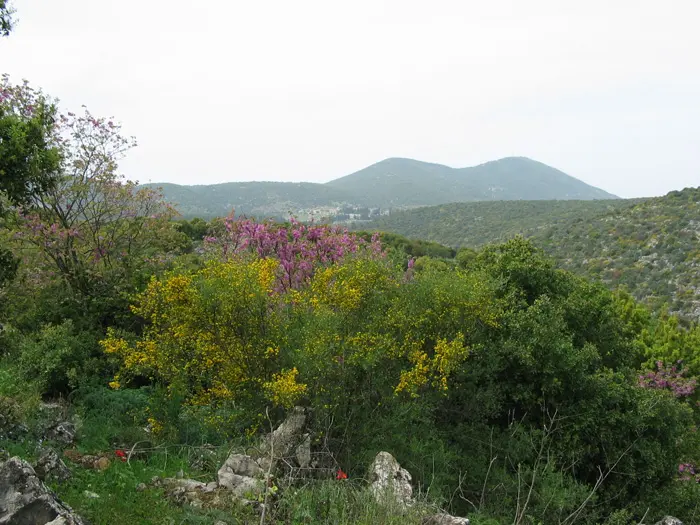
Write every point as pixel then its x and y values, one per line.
pixel 341 474
pixel 120 454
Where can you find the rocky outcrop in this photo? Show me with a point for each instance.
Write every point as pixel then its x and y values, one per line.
pixel 284 441
pixel 24 499
pixel 444 519
pixel 50 466
pixel 389 482
pixel 669 520
pixel 245 474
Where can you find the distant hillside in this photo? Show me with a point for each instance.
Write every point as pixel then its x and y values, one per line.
pixel 473 224
pixel 405 182
pixel 389 184
pixel 650 246
pixel 268 199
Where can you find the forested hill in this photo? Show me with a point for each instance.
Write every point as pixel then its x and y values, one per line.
pixel 407 182
pixel 390 184
pixel 650 246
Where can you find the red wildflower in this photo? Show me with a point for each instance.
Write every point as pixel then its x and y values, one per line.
pixel 120 454
pixel 341 474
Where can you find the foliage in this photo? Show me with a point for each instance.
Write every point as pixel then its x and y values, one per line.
pixel 29 149
pixel 650 247
pixel 59 358
pixel 411 247
pixel 6 17
pixel 80 227
pixel 210 333
pixel 670 377
pixel 343 503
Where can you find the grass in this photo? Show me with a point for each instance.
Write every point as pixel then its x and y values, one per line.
pixel 120 502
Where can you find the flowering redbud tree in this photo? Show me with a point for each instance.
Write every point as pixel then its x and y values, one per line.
pixel 300 248
pixel 89 221
pixel 671 378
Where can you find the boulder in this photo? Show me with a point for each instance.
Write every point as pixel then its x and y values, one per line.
pixel 283 441
pixel 24 499
pixel 389 482
pixel 245 474
pixel 243 465
pixel 62 432
pixel 196 493
pixel 444 519
pixel 303 452
pixel 51 466
pixel 669 520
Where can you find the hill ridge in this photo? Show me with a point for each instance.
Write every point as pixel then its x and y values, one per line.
pixel 392 183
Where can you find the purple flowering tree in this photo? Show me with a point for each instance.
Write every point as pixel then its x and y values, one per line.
pixel 300 248
pixel 90 221
pixel 669 377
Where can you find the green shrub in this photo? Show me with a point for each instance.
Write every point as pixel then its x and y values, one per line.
pixel 60 358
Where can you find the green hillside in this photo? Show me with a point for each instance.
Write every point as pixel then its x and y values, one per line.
pixel 390 184
pixel 651 246
pixel 474 224
pixel 276 199
pixel 405 182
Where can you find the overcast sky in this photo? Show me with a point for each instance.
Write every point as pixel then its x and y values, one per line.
pixel 222 90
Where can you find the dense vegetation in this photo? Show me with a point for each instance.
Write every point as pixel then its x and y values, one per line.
pixel 649 246
pixel 389 184
pixel 261 199
pixel 512 390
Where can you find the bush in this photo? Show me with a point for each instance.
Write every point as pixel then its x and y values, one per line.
pixel 59 358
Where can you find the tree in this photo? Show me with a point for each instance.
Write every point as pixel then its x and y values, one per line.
pixel 79 221
pixel 6 18
pixel 29 147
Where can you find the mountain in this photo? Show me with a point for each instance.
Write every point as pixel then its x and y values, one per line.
pixel 649 246
pixel 390 184
pixel 404 182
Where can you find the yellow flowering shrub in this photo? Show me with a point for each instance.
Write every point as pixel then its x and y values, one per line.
pixel 447 356
pixel 284 390
pixel 211 332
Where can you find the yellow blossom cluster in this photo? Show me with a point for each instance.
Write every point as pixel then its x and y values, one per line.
pixel 212 330
pixel 284 390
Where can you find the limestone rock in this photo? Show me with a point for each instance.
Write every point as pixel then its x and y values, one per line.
pixel 243 465
pixel 390 482
pixel 63 433
pixel 245 475
pixel 243 486
pixel 444 519
pixel 25 499
pixel 283 441
pixel 303 452
pixel 669 520
pixel 196 493
pixel 50 466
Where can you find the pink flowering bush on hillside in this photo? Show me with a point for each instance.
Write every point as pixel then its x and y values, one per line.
pixel 298 247
pixel 670 378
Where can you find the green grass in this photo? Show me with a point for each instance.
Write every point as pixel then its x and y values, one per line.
pixel 120 503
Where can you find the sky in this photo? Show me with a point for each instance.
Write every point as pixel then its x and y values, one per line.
pixel 311 90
